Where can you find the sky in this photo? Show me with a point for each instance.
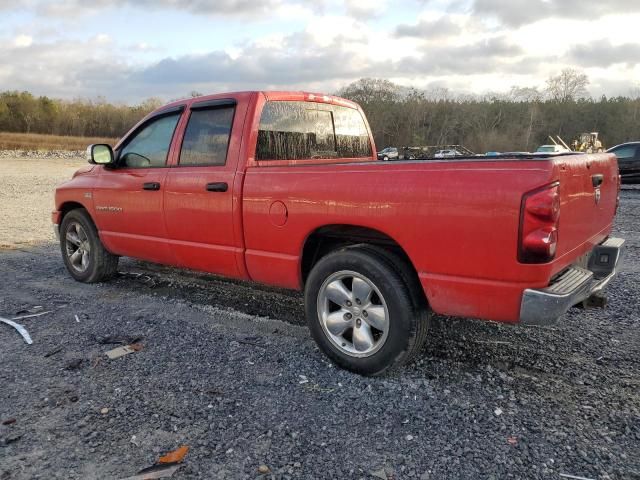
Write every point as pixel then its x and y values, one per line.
pixel 127 51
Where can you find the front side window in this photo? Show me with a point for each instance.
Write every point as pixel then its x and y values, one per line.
pixel 206 137
pixel 308 130
pixel 150 146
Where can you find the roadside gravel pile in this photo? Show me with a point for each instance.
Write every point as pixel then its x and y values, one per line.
pixel 229 370
pixel 55 154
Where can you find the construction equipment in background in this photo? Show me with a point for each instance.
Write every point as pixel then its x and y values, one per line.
pixel 560 142
pixel 588 143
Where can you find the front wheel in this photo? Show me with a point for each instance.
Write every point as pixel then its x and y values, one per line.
pixel 360 311
pixel 83 254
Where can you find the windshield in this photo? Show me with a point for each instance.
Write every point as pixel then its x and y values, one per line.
pixel 546 148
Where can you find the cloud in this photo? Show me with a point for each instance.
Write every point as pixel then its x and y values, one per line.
pixel 11 5
pixel 301 60
pixel 295 62
pixel 602 53
pixel 429 29
pixel 73 8
pixel 516 13
pixel 329 50
pixel 246 8
pixel 365 8
pixel 485 56
pixel 23 41
pixel 97 67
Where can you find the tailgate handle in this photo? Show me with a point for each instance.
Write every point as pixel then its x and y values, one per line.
pixel 597 179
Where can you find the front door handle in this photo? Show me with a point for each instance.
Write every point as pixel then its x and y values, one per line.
pixel 151 186
pixel 217 187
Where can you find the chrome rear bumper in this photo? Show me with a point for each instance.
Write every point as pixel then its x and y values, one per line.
pixel 544 306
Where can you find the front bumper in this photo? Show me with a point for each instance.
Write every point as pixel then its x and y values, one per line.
pixel 630 176
pixel 56 217
pixel 544 306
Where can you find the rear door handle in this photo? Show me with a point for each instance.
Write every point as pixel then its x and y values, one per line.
pixel 217 187
pixel 596 180
pixel 151 186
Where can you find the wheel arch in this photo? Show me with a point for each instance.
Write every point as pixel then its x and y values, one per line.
pixel 328 238
pixel 66 207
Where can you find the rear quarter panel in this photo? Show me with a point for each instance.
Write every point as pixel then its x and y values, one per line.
pixel 456 220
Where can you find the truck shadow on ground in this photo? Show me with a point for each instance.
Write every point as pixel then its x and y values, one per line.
pixel 467 343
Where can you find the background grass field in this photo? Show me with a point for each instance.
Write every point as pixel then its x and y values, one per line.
pixel 36 141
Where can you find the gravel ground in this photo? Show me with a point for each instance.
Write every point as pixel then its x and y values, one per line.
pixel 229 369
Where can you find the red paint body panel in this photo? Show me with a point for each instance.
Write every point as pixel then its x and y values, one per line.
pixel 456 219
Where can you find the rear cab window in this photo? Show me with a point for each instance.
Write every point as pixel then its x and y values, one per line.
pixel 298 130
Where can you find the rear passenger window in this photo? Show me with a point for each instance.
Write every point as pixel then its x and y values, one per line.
pixel 308 130
pixel 206 137
pixel 351 133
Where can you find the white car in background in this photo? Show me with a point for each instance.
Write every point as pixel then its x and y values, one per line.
pixel 447 153
pixel 552 149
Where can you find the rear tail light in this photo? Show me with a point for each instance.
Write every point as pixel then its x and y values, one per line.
pixel 539 215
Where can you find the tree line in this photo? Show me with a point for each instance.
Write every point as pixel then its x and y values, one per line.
pixel 23 112
pixel 519 120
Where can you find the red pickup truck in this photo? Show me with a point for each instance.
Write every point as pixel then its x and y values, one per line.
pixel 284 188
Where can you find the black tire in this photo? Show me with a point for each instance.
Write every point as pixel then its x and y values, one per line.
pixel 100 265
pixel 408 318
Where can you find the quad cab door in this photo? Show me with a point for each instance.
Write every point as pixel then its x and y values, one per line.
pixel 199 196
pixel 129 199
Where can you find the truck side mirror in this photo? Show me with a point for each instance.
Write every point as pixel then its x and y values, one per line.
pixel 100 154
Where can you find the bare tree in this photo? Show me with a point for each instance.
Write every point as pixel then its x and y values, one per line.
pixel 370 90
pixel 567 86
pixel 524 94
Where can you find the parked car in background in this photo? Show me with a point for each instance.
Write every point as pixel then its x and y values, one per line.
pixel 552 149
pixel 628 161
pixel 389 153
pixel 447 153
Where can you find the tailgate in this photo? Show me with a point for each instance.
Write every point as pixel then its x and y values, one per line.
pixel 588 199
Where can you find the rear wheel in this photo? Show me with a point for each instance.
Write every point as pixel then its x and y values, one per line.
pixel 84 255
pixel 360 311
